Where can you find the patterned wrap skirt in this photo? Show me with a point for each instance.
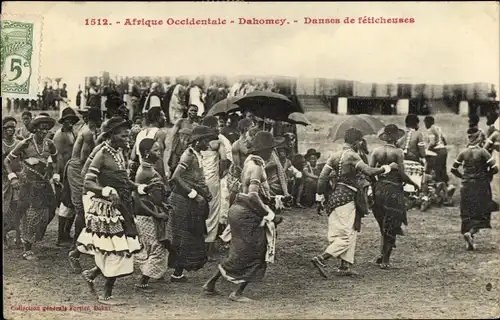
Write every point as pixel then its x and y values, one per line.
pixel 37 206
pixel 110 237
pixel 152 259
pixel 186 230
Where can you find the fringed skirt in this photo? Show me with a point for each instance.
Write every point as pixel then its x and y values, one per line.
pixel 110 238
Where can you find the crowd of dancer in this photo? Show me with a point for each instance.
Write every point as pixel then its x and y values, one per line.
pixel 161 196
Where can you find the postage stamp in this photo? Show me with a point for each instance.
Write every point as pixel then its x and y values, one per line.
pixel 20 56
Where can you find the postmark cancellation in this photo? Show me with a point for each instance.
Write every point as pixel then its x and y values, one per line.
pixel 21 37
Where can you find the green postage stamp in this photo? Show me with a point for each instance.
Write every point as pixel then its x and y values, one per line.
pixel 20 56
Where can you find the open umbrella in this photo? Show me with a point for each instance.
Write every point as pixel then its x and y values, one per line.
pixel 269 105
pixel 298 118
pixel 365 123
pixel 224 106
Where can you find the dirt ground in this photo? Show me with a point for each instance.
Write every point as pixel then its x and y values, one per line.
pixel 433 275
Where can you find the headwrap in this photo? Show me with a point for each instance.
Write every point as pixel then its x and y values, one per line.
pixel 9 122
pixel 475 137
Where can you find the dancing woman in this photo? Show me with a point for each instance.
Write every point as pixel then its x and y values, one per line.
pixel 343 220
pixel 151 215
pixel 189 199
pixel 252 243
pixel 110 234
pixel 389 207
pixel 476 202
pixel 38 155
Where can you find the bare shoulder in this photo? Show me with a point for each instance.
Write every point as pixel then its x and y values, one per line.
pixel 215 144
pixel 187 156
pixel 86 134
pixel 143 176
pixel 161 135
pixel 377 151
pixel 236 145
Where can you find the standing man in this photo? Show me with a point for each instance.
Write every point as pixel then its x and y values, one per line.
pixel 64 139
pixel 153 99
pixel 196 96
pixel 412 142
pixel 82 149
pixel 177 103
pixel 215 167
pixel 437 144
pixel 23 132
pixel 343 220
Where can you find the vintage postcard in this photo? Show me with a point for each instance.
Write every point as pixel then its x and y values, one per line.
pixel 250 160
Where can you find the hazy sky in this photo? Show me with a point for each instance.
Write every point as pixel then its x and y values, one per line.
pixel 448 43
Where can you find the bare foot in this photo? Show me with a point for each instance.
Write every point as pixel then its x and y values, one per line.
pixel 319 265
pixel 347 273
pixel 74 263
pixel 90 282
pixel 111 301
pixel 144 287
pixel 385 265
pixel 239 298
pixel 209 290
pixel 469 240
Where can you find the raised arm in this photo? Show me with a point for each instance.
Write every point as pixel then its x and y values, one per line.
pixel 360 166
pixel 169 140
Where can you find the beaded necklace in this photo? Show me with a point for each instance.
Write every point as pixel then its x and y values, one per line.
pixel 9 145
pixel 407 144
pixel 36 146
pixel 117 156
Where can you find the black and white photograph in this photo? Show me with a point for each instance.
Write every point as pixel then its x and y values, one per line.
pixel 250 160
